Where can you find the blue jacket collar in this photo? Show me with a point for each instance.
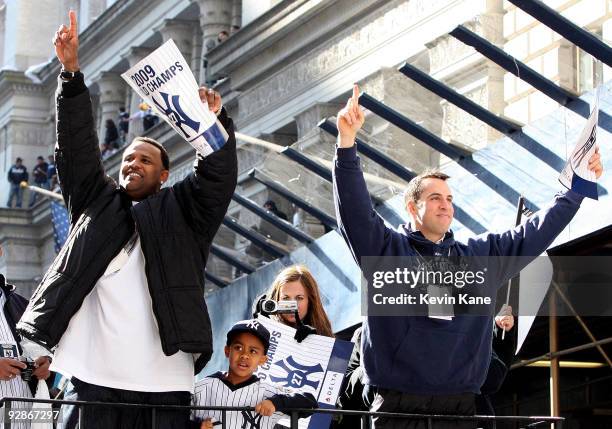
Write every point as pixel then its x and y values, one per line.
pixel 418 239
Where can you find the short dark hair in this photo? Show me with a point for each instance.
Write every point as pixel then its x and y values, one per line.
pixel 415 186
pixel 19 160
pixel 164 153
pixel 40 158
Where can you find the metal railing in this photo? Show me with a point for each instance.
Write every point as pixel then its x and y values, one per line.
pixel 294 413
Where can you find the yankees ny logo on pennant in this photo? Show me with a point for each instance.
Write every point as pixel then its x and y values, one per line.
pixel 297 374
pixel 176 114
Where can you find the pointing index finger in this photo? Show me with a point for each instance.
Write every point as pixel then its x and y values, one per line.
pixel 355 94
pixel 73 23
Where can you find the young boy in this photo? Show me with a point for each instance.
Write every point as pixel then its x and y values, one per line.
pixel 246 348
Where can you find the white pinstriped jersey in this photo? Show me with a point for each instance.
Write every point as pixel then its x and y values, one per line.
pixel 15 386
pixel 214 390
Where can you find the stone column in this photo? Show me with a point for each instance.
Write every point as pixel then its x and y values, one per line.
pixel 606 36
pixel 568 76
pixel 112 96
pixel 479 80
pixel 236 14
pixel 65 6
pixel 215 16
pixel 308 119
pixel 181 31
pixel 196 52
pixel 2 31
pixel 89 11
pixel 28 27
pixel 133 56
pixel 413 101
pixel 493 29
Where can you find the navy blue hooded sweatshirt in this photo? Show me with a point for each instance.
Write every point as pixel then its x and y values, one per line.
pixel 422 355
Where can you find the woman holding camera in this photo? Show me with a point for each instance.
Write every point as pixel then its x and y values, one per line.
pixel 296 283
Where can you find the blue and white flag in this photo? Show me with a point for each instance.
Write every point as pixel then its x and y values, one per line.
pixel 316 365
pixel 61 224
pixel 576 174
pixel 163 79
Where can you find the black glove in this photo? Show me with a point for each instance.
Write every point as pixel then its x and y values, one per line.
pixel 302 330
pixel 257 306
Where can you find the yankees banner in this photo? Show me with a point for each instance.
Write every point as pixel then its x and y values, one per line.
pixel 316 365
pixel 576 174
pixel 163 79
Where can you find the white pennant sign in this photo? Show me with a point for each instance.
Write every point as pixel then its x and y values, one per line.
pixel 576 175
pixel 163 79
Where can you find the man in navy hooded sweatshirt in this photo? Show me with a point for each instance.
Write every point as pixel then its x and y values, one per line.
pixel 421 364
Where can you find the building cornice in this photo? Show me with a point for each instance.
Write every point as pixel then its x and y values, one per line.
pixel 105 21
pixel 16 82
pixel 112 34
pixel 282 28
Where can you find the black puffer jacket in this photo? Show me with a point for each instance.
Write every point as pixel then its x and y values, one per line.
pixel 176 227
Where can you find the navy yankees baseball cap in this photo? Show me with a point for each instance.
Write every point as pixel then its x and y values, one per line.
pixel 251 326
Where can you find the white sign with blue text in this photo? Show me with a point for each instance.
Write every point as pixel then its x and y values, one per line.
pixel 576 174
pixel 316 365
pixel 163 79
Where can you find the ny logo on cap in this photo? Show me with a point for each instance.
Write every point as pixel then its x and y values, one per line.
pixel 253 324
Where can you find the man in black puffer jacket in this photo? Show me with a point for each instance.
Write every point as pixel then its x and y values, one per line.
pixel 123 301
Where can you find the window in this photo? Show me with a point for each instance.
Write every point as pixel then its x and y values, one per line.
pixel 589 70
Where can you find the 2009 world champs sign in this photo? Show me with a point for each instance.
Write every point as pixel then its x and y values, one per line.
pixel 163 79
pixel 316 365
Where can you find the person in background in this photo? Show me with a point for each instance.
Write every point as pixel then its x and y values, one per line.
pixel 222 36
pixel 111 134
pixel 40 178
pixel 353 395
pixel 150 119
pixel 501 359
pixel 106 151
pixel 271 206
pixel 51 172
pixel 17 173
pixel 124 124
pixel 296 283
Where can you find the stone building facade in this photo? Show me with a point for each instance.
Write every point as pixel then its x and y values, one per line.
pixel 288 65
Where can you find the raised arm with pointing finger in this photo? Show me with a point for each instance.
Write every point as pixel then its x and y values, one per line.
pixel 123 302
pixel 413 361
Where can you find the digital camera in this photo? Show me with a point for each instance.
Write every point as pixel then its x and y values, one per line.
pixel 269 306
pixel 26 373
